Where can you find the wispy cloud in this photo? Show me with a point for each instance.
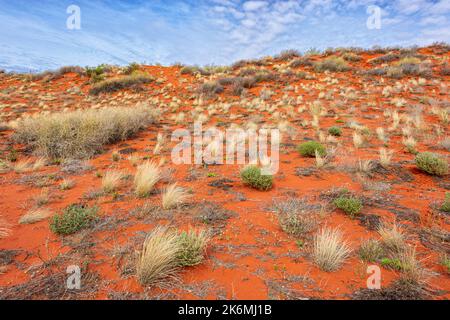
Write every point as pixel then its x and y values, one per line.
pixel 33 35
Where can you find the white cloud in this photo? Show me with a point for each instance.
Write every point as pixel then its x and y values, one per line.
pixel 254 5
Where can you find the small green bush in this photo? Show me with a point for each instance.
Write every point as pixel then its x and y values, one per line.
pixel 192 247
pixel 350 205
pixel 445 262
pixel 335 131
pixel 446 204
pixel 371 251
pixel 308 149
pixel 252 176
pixel 296 224
pixel 395 264
pixel 74 218
pixel 432 164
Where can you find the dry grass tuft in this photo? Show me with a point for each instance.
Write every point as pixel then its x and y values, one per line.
pixel 111 181
pixel 158 261
pixel 329 250
pixel 147 175
pixel 34 216
pixel 5 228
pixel 393 238
pixel 173 196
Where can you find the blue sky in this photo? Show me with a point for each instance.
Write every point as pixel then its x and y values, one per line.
pixel 34 36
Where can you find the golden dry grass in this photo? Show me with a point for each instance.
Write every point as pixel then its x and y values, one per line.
pixel 111 181
pixel 173 196
pixel 157 260
pixel 34 216
pixel 146 177
pixel 81 133
pixel 329 250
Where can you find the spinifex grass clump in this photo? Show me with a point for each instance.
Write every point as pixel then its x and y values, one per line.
pixel 74 218
pixel 308 149
pixel 253 177
pixel 165 251
pixel 83 133
pixel 329 249
pixel 350 205
pixel 432 164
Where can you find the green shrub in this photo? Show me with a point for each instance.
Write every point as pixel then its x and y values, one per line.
pixel 335 131
pixel 308 149
pixel 395 264
pixel 252 176
pixel 350 205
pixel 74 218
pixel 445 262
pixel 296 224
pixel 192 247
pixel 446 204
pixel 371 251
pixel 432 164
pixel 131 68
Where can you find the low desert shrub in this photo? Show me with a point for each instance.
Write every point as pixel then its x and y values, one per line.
pixel 296 223
pixel 350 205
pixel 192 247
pixel 73 218
pixel 446 204
pixel 334 64
pixel 211 88
pixel 252 176
pixel 329 250
pixel 308 149
pixel 116 84
pixel 83 133
pixel 335 131
pixel 432 164
pixel 371 251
